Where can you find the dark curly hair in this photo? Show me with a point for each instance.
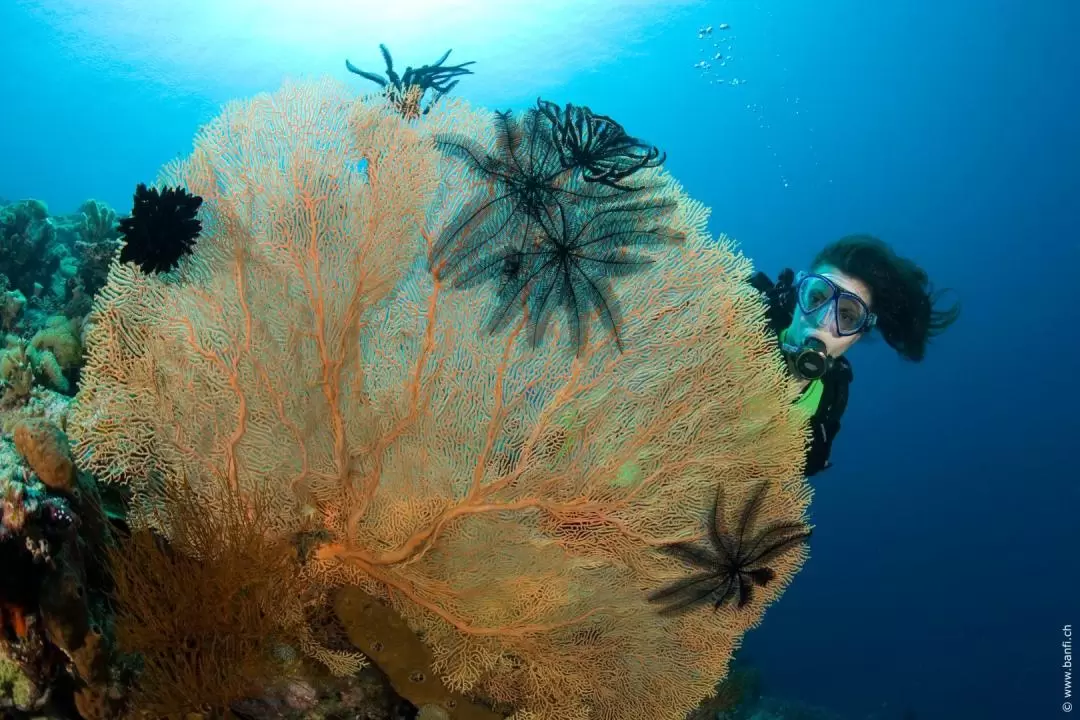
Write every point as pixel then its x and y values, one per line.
pixel 901 294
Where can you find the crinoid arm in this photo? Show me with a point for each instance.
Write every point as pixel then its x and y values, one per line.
pixel 380 80
pixel 576 260
pixel 736 561
pixel 483 219
pixel 407 90
pixel 520 173
pixel 391 76
pixel 596 145
pixel 473 248
pixel 436 76
pixel 548 239
pixel 698 589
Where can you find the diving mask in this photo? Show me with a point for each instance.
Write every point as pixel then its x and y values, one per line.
pixel 822 300
pixel 816 293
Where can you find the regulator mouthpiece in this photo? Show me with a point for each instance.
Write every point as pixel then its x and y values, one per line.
pixel 810 361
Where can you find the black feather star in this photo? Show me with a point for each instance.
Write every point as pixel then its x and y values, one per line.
pixel 434 77
pixel 161 229
pixel 734 562
pixel 549 236
pixel 527 184
pixel 597 145
pixel 569 264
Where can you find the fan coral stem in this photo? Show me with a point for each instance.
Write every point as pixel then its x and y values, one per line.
pixel 372 568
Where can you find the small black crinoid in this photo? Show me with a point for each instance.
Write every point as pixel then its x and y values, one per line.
pixel 568 264
pixel 597 145
pixel 434 77
pixel 527 184
pixel 161 229
pixel 735 560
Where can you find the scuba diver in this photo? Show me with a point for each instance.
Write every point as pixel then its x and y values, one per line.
pixel 855 284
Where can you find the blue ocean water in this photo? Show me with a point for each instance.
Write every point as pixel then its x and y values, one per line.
pixel 944 563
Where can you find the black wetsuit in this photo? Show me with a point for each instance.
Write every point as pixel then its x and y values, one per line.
pixel 834 394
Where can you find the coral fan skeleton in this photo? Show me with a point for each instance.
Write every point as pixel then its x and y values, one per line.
pixel 505 503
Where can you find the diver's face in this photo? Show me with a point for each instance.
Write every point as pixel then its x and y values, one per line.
pixel 822 323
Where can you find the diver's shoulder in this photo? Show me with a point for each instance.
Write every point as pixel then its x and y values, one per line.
pixel 842 370
pixel 764 283
pixel 760 281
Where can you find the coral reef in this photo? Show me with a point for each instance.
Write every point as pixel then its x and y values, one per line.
pixel 50 359
pixel 210 615
pixel 55 636
pixel 740 696
pixel 505 500
pixel 52 265
pixel 365 695
pixel 388 641
pixel 773 708
pixel 51 268
pixel 738 691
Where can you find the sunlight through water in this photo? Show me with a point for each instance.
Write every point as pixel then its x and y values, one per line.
pixel 221 48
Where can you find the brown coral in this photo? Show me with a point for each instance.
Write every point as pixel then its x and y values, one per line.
pixel 506 503
pixel 45 448
pixel 389 642
pixel 53 613
pixel 209 612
